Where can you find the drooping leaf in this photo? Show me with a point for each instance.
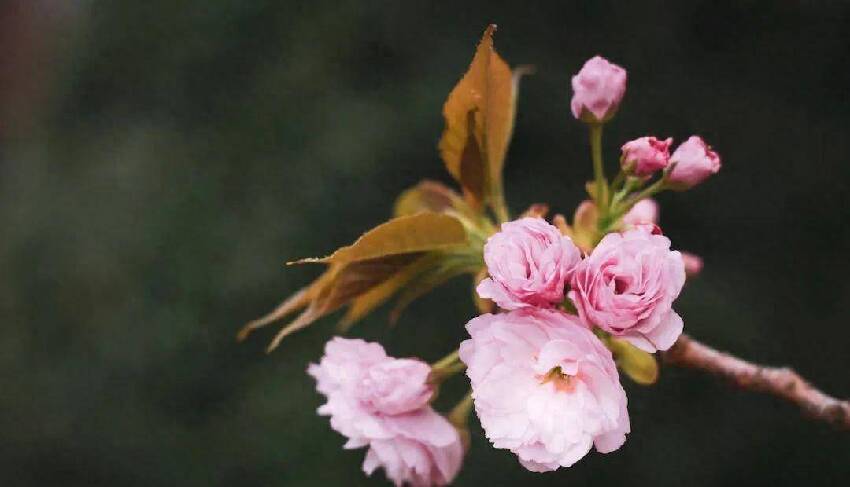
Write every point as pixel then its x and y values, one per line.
pixel 421 232
pixel 336 287
pixel 425 284
pixel 426 196
pixel 479 114
pixel 377 295
pixel 640 366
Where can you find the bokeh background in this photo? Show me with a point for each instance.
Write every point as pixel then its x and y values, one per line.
pixel 160 160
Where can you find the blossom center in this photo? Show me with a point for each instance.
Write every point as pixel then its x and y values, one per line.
pixel 562 382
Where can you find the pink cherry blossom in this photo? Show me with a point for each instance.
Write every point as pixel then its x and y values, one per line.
pixel 646 155
pixel 627 286
pixel 529 261
pixel 598 90
pixel 693 161
pixel 383 403
pixel 643 212
pixel 544 387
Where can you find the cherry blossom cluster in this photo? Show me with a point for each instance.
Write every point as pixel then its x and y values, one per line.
pixel 544 383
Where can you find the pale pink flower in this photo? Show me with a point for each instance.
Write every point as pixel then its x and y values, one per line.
pixel 693 264
pixel 383 403
pixel 529 261
pixel 693 161
pixel 643 212
pixel 627 286
pixel 424 450
pixel 646 155
pixel 544 387
pixel 597 90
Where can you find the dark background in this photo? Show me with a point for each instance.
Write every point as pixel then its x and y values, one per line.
pixel 160 160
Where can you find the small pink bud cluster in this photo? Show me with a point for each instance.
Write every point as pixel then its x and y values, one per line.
pixel 598 90
pixel 383 403
pixel 691 163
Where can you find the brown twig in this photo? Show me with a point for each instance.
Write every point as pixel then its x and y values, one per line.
pixel 781 382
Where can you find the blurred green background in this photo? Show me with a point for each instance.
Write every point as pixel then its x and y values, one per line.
pixel 160 160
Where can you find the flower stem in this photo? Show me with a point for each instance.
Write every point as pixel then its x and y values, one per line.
pixel 647 192
pixel 460 413
pixel 601 193
pixel 446 367
pixel 447 360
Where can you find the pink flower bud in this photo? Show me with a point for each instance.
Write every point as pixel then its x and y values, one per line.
pixel 694 161
pixel 644 212
pixel 597 90
pixel 643 156
pixel 693 264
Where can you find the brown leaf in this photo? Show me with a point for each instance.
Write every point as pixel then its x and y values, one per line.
pixel 561 222
pixel 585 231
pixel 424 285
pixel 484 305
pixel 336 287
pixel 426 231
pixel 426 196
pixel 377 295
pixel 479 114
pixel 537 210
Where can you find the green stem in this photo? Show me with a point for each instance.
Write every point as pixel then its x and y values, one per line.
pixel 447 360
pixel 629 203
pixel 460 413
pixel 446 367
pixel 618 180
pixel 598 168
pixel 630 185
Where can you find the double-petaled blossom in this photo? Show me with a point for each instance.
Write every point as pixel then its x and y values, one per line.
pixel 644 156
pixel 627 286
pixel 383 403
pixel 598 89
pixel 529 261
pixel 544 387
pixel 693 161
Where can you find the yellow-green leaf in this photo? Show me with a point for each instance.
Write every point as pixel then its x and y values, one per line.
pixel 479 114
pixel 640 366
pixel 426 231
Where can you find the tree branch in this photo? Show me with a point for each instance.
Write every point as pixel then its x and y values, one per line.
pixel 781 382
